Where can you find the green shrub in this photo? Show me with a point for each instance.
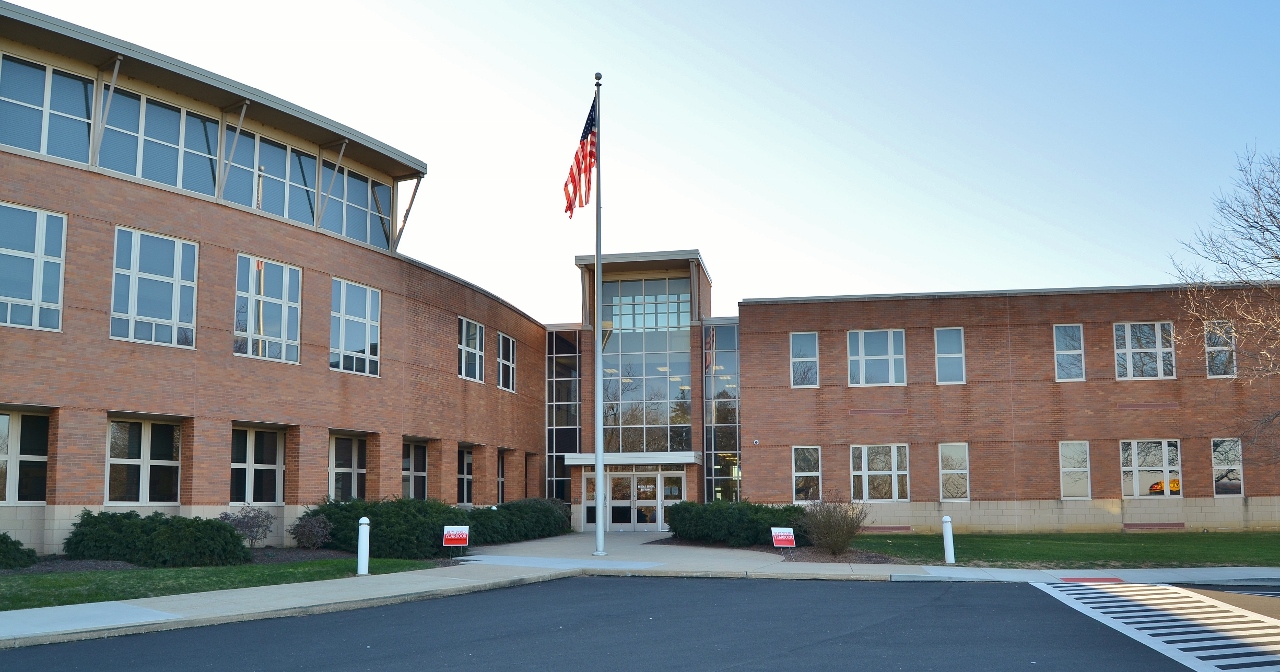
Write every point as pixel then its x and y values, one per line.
pixel 155 541
pixel 520 520
pixel 733 523
pixel 13 555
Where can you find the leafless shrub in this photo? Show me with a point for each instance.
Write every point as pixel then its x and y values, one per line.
pixel 311 531
pixel 252 523
pixel 832 526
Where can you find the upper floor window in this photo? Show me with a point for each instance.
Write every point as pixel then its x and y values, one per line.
pixel 949 344
pixel 804 359
pixel 24 457
pixel 45 110
pixel 157 141
pixel 1068 352
pixel 268 306
pixel 142 462
pixel 267 175
pixel 1144 350
pixel 877 358
pixel 470 350
pixel 355 206
pixel 153 298
pixel 506 362
pixel 1150 468
pixel 354 321
pixel 31 243
pixel 1220 349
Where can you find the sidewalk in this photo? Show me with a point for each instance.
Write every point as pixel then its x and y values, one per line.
pixel 518 564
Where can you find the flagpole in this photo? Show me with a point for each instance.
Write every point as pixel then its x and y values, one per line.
pixel 598 357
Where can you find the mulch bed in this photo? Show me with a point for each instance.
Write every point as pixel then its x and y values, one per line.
pixel 51 564
pixel 802 554
pixel 271 556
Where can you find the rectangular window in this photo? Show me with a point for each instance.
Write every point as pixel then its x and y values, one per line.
pixel 806 473
pixel 953 459
pixel 1228 468
pixel 1144 350
pixel 413 471
pixel 470 350
pixel 156 141
pixel 24 457
pixel 1150 468
pixel 1073 461
pixel 347 467
pixel 877 357
pixel 355 206
pixel 506 362
pixel 1068 352
pixel 355 317
pixel 45 110
pixel 31 253
pixel 804 359
pixel 153 297
pixel 502 476
pixel 879 473
pixel 142 462
pixel 465 469
pixel 257 467
pixel 949 348
pixel 1220 349
pixel 268 309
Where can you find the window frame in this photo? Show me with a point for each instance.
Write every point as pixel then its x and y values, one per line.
pixel 11 441
pixel 47 111
pixel 250 466
pixel 144 462
pixel 409 473
pixel 805 474
pixel 937 358
pixel 372 321
pixel 506 367
pixel 134 274
pixel 816 359
pixel 466 475
pixel 291 284
pixel 502 475
pixel 1238 467
pixel 1230 333
pixel 464 350
pixel 1135 470
pixel 1086 470
pixel 359 447
pixel 943 473
pixel 861 358
pixel 1057 374
pixel 899 467
pixel 1128 351
pixel 40 259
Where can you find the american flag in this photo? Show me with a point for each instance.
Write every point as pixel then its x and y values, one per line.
pixel 577 188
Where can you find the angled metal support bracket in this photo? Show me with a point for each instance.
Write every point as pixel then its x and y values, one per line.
pixel 224 170
pixel 100 124
pixel 395 243
pixel 337 166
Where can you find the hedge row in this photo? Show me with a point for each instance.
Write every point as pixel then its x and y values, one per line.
pixel 733 523
pixel 13 555
pixel 155 541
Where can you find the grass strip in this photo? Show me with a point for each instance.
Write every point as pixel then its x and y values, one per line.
pixel 1086 551
pixel 24 591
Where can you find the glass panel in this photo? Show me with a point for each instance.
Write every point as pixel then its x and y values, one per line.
pixel 264 485
pixel 265 446
pixel 804 346
pixel 1067 337
pixel 16 276
pixel 162 486
pixel 880 486
pixel 1075 484
pixel 955 486
pixel 877 372
pixel 22 81
pixel 155 255
pixel 1150 454
pixel 126 440
pixel 954 456
pixel 342 449
pixel 35 435
pixel 165 440
pixel 951 369
pixel 1074 455
pixel 1070 367
pixel 239 446
pixel 806 459
pixel 1151 483
pixel 52 235
pixel 804 373
pixel 903 493
pixel 1226 453
pixel 1144 365
pixel 17 229
pixel 68 138
pixel 1120 337
pixel 807 489
pixel 119 151
pixel 879 458
pixel 950 341
pixel 20 126
pixel 155 299
pixel 1227 482
pixel 856 492
pixel 71 95
pixel 647 488
pixel 160 162
pixel 1126 454
pixel 124 483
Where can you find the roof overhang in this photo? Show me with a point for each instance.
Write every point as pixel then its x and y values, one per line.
pixel 672 260
pixel 675 457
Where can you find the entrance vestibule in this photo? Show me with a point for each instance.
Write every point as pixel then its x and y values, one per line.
pixel 636 496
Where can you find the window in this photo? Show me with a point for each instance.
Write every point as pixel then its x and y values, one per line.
pixel 879 473
pixel 1220 349
pixel 1228 470
pixel 806 473
pixel 470 350
pixel 562 409
pixel 506 362
pixel 721 424
pixel 465 468
pixel 1073 461
pixel 413 471
pixel 804 359
pixel 153 299
pixel 24 457
pixel 31 244
pixel 355 206
pixel 45 110
pixel 953 458
pixel 1068 352
pixel 502 476
pixel 877 358
pixel 949 345
pixel 1144 350
pixel 257 467
pixel 346 467
pixel 142 462
pixel 354 320
pixel 268 307
pixel 1150 469
pixel 156 141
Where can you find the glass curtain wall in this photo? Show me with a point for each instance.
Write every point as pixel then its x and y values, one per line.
pixel 563 408
pixel 723 455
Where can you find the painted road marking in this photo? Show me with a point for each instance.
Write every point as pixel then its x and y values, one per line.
pixel 1264 593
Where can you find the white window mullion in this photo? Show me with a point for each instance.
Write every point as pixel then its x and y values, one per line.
pixel 44 113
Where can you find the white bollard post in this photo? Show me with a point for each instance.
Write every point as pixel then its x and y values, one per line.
pixel 362 549
pixel 948 544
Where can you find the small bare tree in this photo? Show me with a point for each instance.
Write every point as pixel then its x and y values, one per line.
pixel 832 526
pixel 252 523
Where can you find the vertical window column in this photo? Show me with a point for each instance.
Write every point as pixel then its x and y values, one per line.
pixel 806 473
pixel 268 308
pixel 562 409
pixel 953 458
pixel 506 362
pixel 354 322
pixel 721 424
pixel 465 474
pixel 1220 349
pixel 804 359
pixel 154 290
pixel 347 457
pixel 502 476
pixel 1073 460
pixel 470 350
pixel 949 348
pixel 1068 352
pixel 1228 468
pixel 413 471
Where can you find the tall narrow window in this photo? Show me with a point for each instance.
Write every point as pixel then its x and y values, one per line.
pixel 1144 350
pixel 44 110
pixel 877 357
pixel 257 467
pixel 879 473
pixel 1228 468
pixel 506 362
pixel 806 473
pixel 470 350
pixel 804 359
pixel 949 344
pixel 502 476
pixel 413 471
pixel 1220 349
pixel 1150 468
pixel 31 251
pixel 465 469
pixel 953 458
pixel 142 462
pixel 153 297
pixel 355 318
pixel 1068 352
pixel 268 309
pixel 24 457
pixel 1073 461
pixel 199 154
pixel 302 187
pixel 347 467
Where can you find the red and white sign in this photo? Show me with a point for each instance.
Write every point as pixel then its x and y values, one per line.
pixel 783 537
pixel 456 535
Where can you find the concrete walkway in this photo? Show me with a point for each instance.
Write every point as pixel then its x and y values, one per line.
pixel 528 562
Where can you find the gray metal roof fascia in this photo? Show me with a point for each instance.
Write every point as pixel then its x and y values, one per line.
pixel 449 276
pixel 564 326
pixel 719 321
pixel 131 50
pixel 973 294
pixel 672 255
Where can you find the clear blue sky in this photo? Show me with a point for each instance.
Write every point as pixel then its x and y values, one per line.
pixel 805 148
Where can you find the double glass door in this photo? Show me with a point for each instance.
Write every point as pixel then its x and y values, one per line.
pixel 635 502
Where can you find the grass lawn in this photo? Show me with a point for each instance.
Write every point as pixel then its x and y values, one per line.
pixel 1083 551
pixel 23 591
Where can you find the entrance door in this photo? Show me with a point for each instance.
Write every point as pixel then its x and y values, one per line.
pixel 672 492
pixel 635 502
pixel 646 504
pixel 621 503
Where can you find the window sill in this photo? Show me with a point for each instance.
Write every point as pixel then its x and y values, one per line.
pixel 472 380
pixel 953 382
pixel 4 504
pixel 956 501
pixel 255 503
pixel 1239 496
pixel 1230 377
pixel 268 359
pixel 32 327
pixel 1069 380
pixel 805 387
pixel 353 373
pixel 878 385
pixel 1151 497
pixel 137 504
pixel 1076 499
pixel 506 389
pixel 1131 378
pixel 163 345
pixel 882 501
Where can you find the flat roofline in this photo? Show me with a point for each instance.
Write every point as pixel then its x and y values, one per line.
pixel 88 46
pixel 651 260
pixel 972 294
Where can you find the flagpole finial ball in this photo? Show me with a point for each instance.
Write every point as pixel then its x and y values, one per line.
pixel 598 76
